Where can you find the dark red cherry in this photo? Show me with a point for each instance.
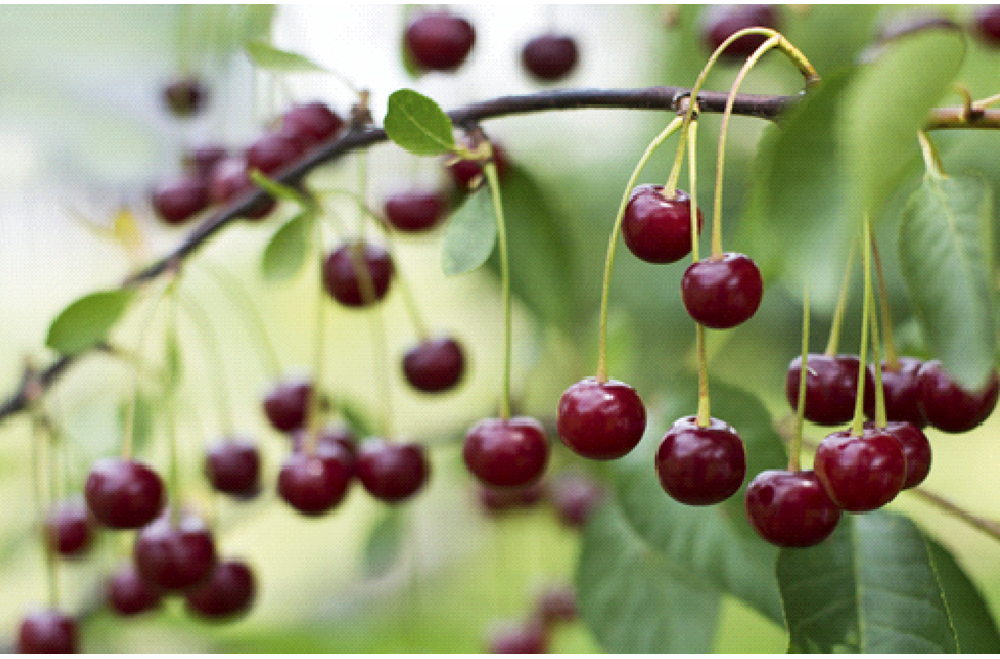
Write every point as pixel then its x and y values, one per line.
pixel 69 528
pixel 172 556
pixel 722 293
pixel 314 122
pixel 439 41
pixel 229 180
pixel 201 160
pixel 506 452
pixel 601 420
pixel 273 151
pixel 357 274
pixel 415 210
pixel 129 594
pixel 233 467
pixel 501 500
pixel 902 402
pixel 185 97
pixel 701 466
pixel 550 57
pixel 916 447
pixel 434 365
pixel 790 509
pixel 657 229
pixel 123 494
pixel 987 20
pixel 228 592
pixel 527 637
pixel 575 496
pixel 469 173
pixel 333 435
pixel 392 472
pixel 178 200
pixel 287 405
pixel 722 21
pixel 949 407
pixel 831 387
pixel 861 473
pixel 47 632
pixel 557 604
pixel 315 481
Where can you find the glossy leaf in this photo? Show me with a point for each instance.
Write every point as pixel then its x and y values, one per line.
pixel 633 598
pixel 385 539
pixel 288 248
pixel 470 235
pixel 870 587
pixel 87 321
pixel 970 614
pixel 265 56
pixel 944 253
pixel 417 123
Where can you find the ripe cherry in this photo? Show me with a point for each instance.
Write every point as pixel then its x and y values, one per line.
pixel 949 407
pixel 501 500
pixel 123 494
pixel 390 471
pixel 340 435
pixel 69 528
pixel 468 173
pixel 439 41
pixel 172 556
pixel 657 229
pixel 861 473
pixel 274 151
pixel 902 402
pixel 506 452
pixel 415 210
pixel 916 447
pixel 521 638
pixel 47 632
pixel 185 97
pixel 722 293
pixel 434 365
pixel 550 57
pixel 201 160
pixel 229 180
pixel 314 482
pixel 601 420
pixel 233 467
pixel 228 592
pixel 313 122
pixel 701 466
pixel 287 404
pixel 575 496
pixel 987 20
pixel 790 509
pixel 178 200
pixel 358 274
pixel 129 594
pixel 722 21
pixel 831 387
pixel 557 604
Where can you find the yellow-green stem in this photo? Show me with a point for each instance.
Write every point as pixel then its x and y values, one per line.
pixel 382 372
pixel 313 416
pixel 692 137
pixel 880 416
pixel 857 425
pixel 932 159
pixel 174 473
pixel 833 343
pixel 795 450
pixel 490 170
pixel 704 418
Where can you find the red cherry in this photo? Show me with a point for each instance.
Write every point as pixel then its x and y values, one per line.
pixel 701 466
pixel 47 632
pixel 439 41
pixel 724 292
pixel 506 452
pixel 790 509
pixel 392 472
pixel 657 229
pixel 229 592
pixel 601 420
pixel 861 473
pixel 174 557
pixel 129 594
pixel 124 494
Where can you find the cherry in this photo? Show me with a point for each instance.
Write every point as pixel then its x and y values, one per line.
pixel 721 293
pixel 315 482
pixel 123 494
pixel 69 528
pixel 987 21
pixel 722 21
pixel 229 180
pixel 227 593
pixel 575 496
pixel 506 452
pixel 47 632
pixel 439 41
pixel 129 594
pixel 415 210
pixel 657 229
pixel 831 387
pixel 313 121
pixel 434 365
pixel 949 407
pixel 233 467
pixel 550 57
pixel 500 500
pixel 340 435
pixel 348 268
pixel 287 404
pixel 601 420
pixel 185 97
pixel 468 173
pixel 902 402
pixel 172 556
pixel 790 509
pixel 521 638
pixel 861 473
pixel 557 604
pixel 202 160
pixel 392 472
pixel 274 151
pixel 916 448
pixel 178 200
pixel 701 466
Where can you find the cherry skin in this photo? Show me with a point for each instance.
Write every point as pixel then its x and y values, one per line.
pixel 47 632
pixel 123 494
pixel 233 467
pixel 701 466
pixel 790 509
pixel 550 57
pixel 575 496
pixel 722 293
pixel 557 604
pixel 392 472
pixel 229 180
pixel 434 365
pixel 916 447
pixel 657 229
pixel 129 594
pixel 185 97
pixel 949 407
pixel 506 452
pixel 722 21
pixel 314 482
pixel 274 151
pixel 861 473
pixel 287 404
pixel 229 592
pixel 413 211
pixel 899 386
pixel 348 271
pixel 468 173
pixel 69 528
pixel 496 501
pixel 314 122
pixel 178 200
pixel 987 21
pixel 439 41
pixel 174 557
pixel 521 638
pixel 340 435
pixel 601 420
pixel 202 159
pixel 831 387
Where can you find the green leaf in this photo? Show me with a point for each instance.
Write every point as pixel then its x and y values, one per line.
pixel 87 321
pixel 265 56
pixel 633 598
pixel 276 188
pixel 385 539
pixel 870 587
pixel 944 244
pixel 470 235
pixel 173 364
pixel 288 248
pixel 418 124
pixel 970 614
pixel 888 104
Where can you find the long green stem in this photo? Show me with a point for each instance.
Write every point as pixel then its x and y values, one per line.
pixel 891 356
pixel 880 415
pixel 704 418
pixel 833 343
pixel 194 311
pixel 795 450
pixel 493 180
pixel 692 137
pixel 174 474
pixel 857 426
pixel 313 415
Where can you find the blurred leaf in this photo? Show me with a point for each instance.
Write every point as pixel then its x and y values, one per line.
pixel 633 598
pixel 970 614
pixel 385 539
pixel 418 124
pixel 944 245
pixel 276 188
pixel 870 587
pixel 356 417
pixel 87 321
pixel 173 364
pixel 288 248
pixel 470 235
pixel 265 56
pixel 809 28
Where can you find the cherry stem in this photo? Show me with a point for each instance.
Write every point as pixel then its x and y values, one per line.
pixel 833 342
pixel 609 262
pixel 857 425
pixel 490 169
pixel 41 439
pixel 692 136
pixel 795 450
pixel 704 418
pixel 880 415
pixel 196 313
pixel 932 159
pixel 171 414
pixel 891 356
pixel 319 341
pixel 379 342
